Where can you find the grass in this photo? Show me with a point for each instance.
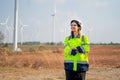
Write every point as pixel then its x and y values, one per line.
pixel 52 57
pixel 33 57
pixel 45 62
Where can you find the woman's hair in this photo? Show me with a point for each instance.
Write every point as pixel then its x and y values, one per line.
pixel 77 22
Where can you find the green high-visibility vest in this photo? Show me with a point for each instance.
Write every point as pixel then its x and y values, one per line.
pixel 78 62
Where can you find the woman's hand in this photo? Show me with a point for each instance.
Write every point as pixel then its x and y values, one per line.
pixel 74 51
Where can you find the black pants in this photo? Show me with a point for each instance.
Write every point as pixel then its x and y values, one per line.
pixel 75 75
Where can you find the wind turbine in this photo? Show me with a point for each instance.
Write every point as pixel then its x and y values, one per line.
pixel 21 30
pixel 5 24
pixel 54 20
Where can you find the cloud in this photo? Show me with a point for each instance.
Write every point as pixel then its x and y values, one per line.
pixel 94 3
pixel 39 1
pixel 102 4
pixel 63 20
pixel 61 1
pixel 35 21
pixel 44 1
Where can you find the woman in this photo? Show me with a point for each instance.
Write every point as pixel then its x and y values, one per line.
pixel 76 48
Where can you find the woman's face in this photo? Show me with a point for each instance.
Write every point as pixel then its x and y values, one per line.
pixel 74 27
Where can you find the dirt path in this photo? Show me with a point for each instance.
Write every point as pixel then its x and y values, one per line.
pixel 104 74
pixel 58 74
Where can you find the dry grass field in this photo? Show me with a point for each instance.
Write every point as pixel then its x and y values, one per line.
pixel 45 62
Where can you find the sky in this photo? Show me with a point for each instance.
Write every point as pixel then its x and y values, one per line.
pixel 100 19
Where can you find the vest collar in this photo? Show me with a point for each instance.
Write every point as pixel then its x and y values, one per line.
pixel 78 36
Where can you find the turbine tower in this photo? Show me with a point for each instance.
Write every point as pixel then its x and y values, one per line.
pixel 54 20
pixel 15 48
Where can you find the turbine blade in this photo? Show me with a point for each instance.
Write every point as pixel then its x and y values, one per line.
pixel 25 25
pixel 7 19
pixel 2 23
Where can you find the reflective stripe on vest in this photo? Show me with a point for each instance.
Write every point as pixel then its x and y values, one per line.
pixel 82 62
pixel 68 61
